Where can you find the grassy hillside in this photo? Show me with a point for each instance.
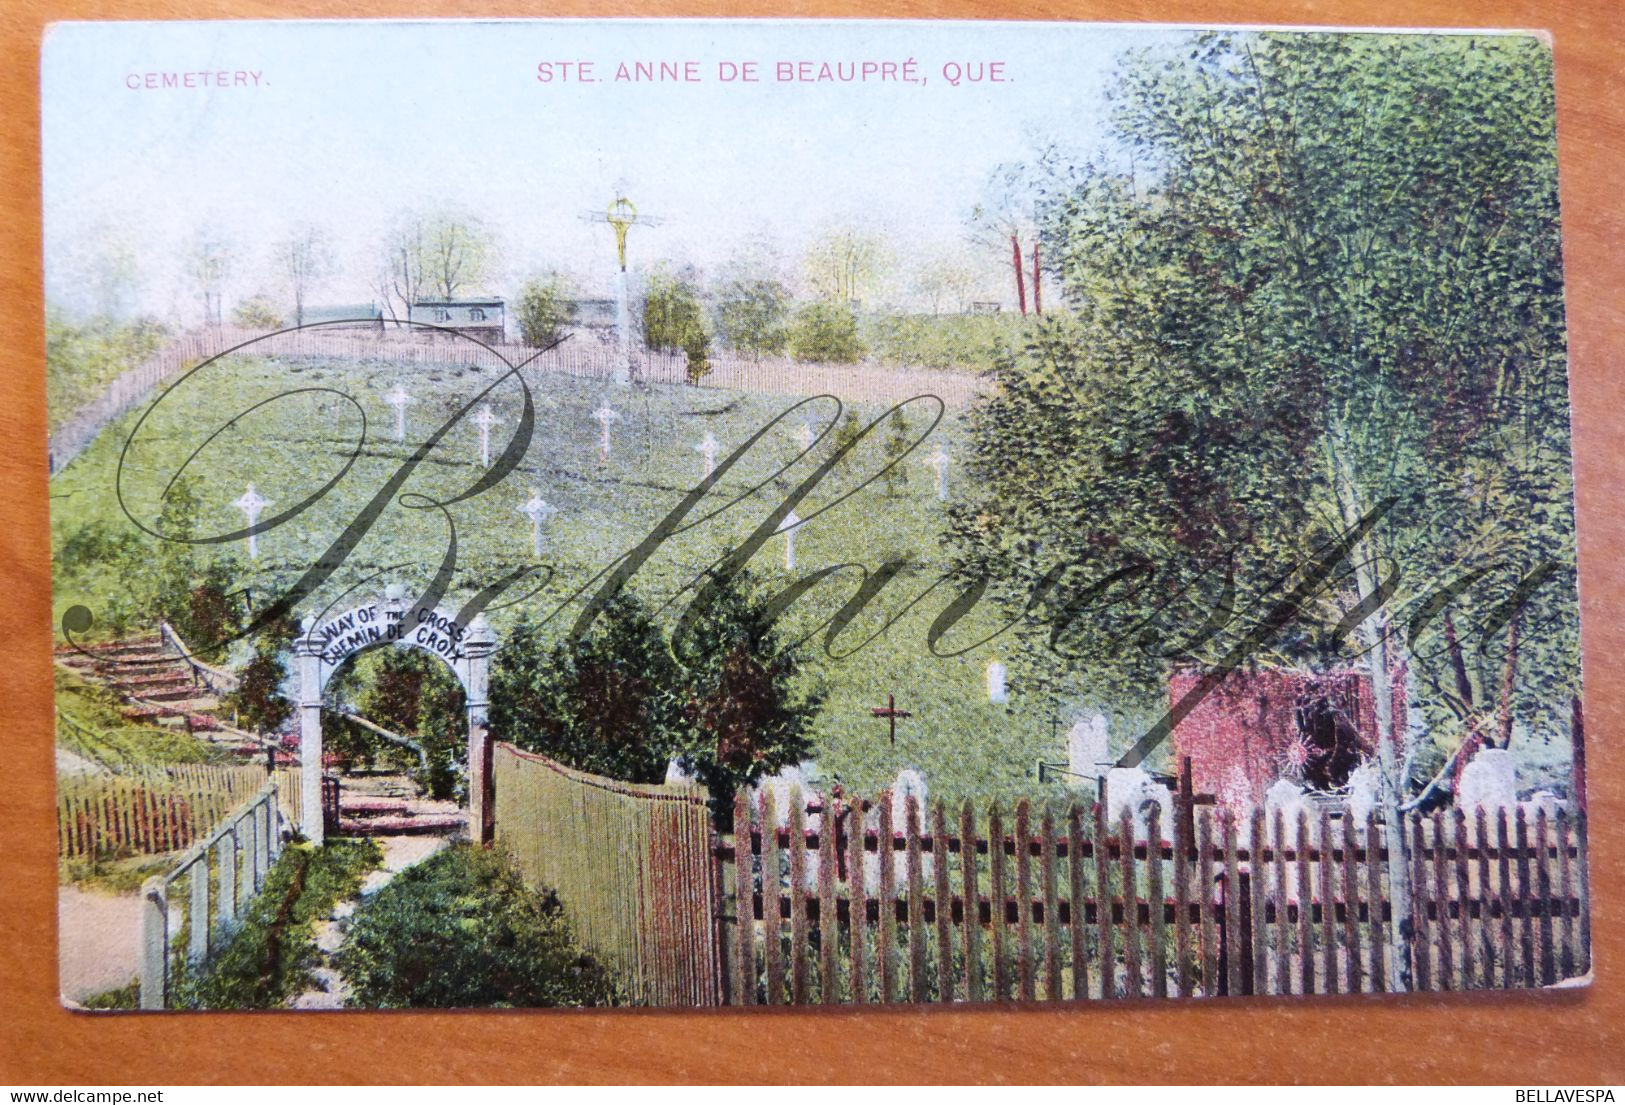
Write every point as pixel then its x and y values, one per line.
pixel 89 725
pixel 302 423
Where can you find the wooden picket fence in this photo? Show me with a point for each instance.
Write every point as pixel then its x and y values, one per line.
pixel 632 865
pixel 158 810
pixel 1055 905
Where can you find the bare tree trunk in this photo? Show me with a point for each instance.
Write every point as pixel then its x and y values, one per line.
pixel 1509 677
pixel 1375 636
pixel 1021 287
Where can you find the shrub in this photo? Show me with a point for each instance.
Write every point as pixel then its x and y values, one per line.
pixel 257 313
pixel 269 958
pixel 825 332
pixel 751 315
pixel 461 930
pixel 546 306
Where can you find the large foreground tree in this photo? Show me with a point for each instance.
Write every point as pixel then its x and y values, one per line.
pixel 1310 404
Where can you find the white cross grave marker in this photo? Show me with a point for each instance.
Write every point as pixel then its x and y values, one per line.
pixel 251 504
pixel 708 449
pixel 538 510
pixel 938 462
pixel 398 399
pixel 788 528
pixel 485 418
pixel 605 416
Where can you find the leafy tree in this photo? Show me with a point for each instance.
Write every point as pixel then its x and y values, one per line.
pixel 751 314
pixel 82 359
pixel 433 256
pixel 546 306
pixel 745 711
pixel 897 444
pixel 409 692
pixel 258 701
pixel 604 702
pixel 304 257
pixel 825 332
pixel 847 431
pixel 257 313
pixel 196 598
pixel 697 351
pixel 618 702
pixel 1330 306
pixel 846 264
pixel 209 264
pixel 671 311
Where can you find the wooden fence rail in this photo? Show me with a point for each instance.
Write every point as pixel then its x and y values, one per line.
pixel 157 810
pixel 222 873
pixel 934 905
pixel 632 866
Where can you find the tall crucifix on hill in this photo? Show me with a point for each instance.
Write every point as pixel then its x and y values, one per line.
pixel 622 215
pixel 891 713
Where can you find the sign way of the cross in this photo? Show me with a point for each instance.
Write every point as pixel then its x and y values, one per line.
pixel 538 510
pixel 485 418
pixel 891 713
pixel 251 504
pixel 398 399
pixel 806 435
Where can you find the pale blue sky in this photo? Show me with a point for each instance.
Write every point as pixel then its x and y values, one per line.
pixel 354 123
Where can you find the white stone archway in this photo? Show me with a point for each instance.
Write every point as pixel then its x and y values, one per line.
pixel 322 647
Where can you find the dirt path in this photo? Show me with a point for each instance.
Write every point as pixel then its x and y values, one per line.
pixel 99 943
pixel 400 852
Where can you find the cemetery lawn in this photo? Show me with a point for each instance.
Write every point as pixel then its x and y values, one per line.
pixel 299 423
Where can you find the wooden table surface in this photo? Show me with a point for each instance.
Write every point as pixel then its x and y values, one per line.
pixel 1571 1037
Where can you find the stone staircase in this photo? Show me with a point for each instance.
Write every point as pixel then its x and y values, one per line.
pixel 155 687
pixel 389 805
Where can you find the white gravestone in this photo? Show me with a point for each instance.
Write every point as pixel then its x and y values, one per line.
pixel 1087 754
pixel 538 510
pixel 251 505
pixel 788 528
pixel 397 398
pixel 1490 780
pixel 485 418
pixel 707 449
pixel 938 462
pixel 996 690
pixel 605 415
pixel 910 783
pixel 1134 790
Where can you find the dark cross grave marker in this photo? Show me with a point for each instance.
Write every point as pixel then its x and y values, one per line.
pixel 1185 802
pixel 891 713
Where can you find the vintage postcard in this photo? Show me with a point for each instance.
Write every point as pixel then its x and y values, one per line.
pixel 759 513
